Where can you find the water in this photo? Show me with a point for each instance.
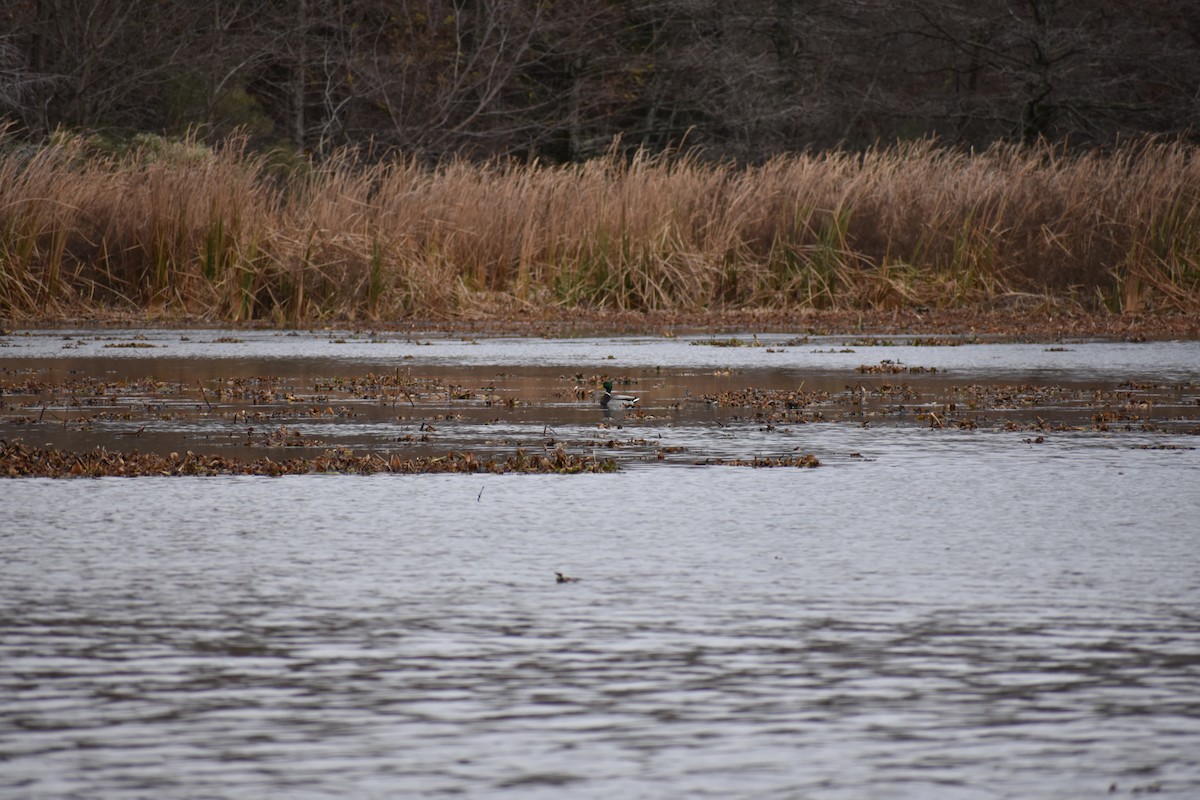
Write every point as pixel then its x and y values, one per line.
pixel 775 352
pixel 934 613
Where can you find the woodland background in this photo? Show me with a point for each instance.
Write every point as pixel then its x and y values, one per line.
pixel 562 80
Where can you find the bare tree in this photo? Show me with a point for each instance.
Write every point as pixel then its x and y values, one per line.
pixel 19 83
pixel 563 80
pixel 1027 69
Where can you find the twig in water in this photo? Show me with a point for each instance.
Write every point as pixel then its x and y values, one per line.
pixel 479 499
pixel 204 395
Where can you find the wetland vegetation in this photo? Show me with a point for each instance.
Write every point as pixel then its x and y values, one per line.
pixel 1037 242
pixel 177 231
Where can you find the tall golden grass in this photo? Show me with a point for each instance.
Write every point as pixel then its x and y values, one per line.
pixel 179 229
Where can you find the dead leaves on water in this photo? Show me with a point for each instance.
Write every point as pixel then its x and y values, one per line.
pixel 18 460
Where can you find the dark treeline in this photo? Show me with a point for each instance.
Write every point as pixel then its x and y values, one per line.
pixel 560 80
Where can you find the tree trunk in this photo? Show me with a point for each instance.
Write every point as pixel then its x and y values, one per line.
pixel 298 83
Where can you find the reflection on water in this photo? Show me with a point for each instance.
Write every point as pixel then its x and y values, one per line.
pixel 946 613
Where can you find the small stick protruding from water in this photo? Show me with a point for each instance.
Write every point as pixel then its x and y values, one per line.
pixel 204 395
pixel 479 498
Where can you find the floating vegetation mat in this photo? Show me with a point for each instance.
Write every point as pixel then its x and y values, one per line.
pixel 807 461
pixel 18 460
pixel 1130 407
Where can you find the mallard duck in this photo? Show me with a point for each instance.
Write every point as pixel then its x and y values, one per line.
pixel 560 578
pixel 608 399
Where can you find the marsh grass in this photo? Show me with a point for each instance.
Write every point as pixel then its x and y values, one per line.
pixel 179 229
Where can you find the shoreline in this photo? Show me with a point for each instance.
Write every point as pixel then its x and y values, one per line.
pixel 1013 325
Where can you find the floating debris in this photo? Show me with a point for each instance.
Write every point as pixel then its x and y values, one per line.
pixel 808 461
pixel 889 367
pixel 731 342
pixel 18 460
pixel 765 398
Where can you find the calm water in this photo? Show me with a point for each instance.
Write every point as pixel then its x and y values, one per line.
pixel 958 614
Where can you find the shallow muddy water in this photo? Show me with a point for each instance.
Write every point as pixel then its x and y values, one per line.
pixel 289 394
pixel 990 589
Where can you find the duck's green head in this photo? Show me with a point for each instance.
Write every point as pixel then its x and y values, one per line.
pixel 608 386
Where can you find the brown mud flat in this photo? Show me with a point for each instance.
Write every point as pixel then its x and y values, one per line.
pixel 1028 320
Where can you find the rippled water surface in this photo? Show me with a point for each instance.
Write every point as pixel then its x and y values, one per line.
pixel 936 612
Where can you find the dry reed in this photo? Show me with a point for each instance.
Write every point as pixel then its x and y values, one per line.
pixel 179 229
